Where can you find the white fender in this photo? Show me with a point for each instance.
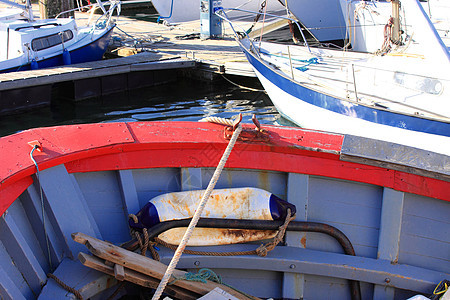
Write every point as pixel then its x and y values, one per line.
pixel 237 203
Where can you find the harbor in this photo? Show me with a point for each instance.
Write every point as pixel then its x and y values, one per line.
pixel 234 149
pixel 142 54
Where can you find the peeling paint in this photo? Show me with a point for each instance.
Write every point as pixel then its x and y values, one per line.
pixel 238 203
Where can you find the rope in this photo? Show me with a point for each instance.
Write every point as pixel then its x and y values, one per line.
pixel 146 244
pixel 202 276
pixel 241 86
pixel 263 5
pixel 264 249
pixel 65 286
pixel 42 207
pixel 197 214
pixel 217 120
pixel 207 274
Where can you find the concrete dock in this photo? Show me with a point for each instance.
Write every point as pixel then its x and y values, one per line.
pixel 146 54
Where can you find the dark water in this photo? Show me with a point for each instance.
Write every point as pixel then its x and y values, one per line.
pixel 185 100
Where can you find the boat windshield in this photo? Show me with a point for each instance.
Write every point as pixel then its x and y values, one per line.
pixel 45 42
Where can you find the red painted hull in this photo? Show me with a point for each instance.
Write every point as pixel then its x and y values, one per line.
pixel 115 146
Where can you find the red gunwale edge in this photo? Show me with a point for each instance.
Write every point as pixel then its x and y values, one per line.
pixel 114 146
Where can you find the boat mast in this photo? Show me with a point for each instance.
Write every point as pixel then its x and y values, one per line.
pixel 396 32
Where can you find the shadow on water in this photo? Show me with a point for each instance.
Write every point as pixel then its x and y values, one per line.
pixel 186 100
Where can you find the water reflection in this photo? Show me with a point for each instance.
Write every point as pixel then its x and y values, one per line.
pixel 187 100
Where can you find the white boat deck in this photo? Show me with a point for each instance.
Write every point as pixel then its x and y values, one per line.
pixel 353 76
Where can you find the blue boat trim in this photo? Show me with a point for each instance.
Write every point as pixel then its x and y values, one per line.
pixel 328 102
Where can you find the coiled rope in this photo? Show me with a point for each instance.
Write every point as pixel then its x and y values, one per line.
pixel 197 214
pixel 143 241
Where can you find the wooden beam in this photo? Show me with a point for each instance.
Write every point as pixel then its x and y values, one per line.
pixel 58 184
pixel 297 194
pixel 119 272
pixel 390 229
pixel 146 265
pixel 21 254
pixel 134 277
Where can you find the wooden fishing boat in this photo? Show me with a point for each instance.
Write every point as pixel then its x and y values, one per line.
pixel 371 216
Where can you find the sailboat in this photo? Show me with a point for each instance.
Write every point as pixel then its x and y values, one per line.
pixel 178 11
pixel 398 94
pixel 366 21
pixel 29 43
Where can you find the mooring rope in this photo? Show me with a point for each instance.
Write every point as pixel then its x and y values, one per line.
pixel 197 214
pixel 217 120
pixel 65 286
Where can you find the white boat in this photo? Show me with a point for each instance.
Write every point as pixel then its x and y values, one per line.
pixel 367 21
pixel 401 96
pixel 177 11
pixel 323 19
pixel 27 43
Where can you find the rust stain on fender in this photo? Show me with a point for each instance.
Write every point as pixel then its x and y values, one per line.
pixel 216 236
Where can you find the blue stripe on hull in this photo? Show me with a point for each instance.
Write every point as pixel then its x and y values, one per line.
pixel 90 52
pixel 348 109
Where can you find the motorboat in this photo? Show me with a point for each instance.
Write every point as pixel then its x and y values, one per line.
pixel 28 43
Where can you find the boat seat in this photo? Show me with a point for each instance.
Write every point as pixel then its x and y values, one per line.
pixel 87 281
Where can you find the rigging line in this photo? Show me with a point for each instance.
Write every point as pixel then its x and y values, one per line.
pixel 42 206
pixel 241 86
pixel 197 214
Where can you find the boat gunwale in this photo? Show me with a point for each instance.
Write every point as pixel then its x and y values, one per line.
pixel 183 144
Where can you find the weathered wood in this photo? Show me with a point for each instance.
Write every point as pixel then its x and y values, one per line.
pixel 297 194
pixel 145 265
pixel 134 277
pixel 21 253
pixel 32 205
pixel 119 272
pixel 402 158
pixel 390 229
pixel 58 184
pixel 88 282
pixel 128 188
pixel 8 290
pixel 191 179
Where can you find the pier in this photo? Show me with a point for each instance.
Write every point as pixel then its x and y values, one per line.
pixel 141 54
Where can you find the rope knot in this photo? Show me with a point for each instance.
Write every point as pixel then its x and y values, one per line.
pixel 135 219
pixel 262 251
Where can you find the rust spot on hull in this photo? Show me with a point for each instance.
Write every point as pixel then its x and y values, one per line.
pixel 303 241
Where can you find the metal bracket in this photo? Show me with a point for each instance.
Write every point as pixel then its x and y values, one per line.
pixel 36 144
pixel 257 134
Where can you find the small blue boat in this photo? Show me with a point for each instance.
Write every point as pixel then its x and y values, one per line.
pixel 29 44
pixel 371 217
